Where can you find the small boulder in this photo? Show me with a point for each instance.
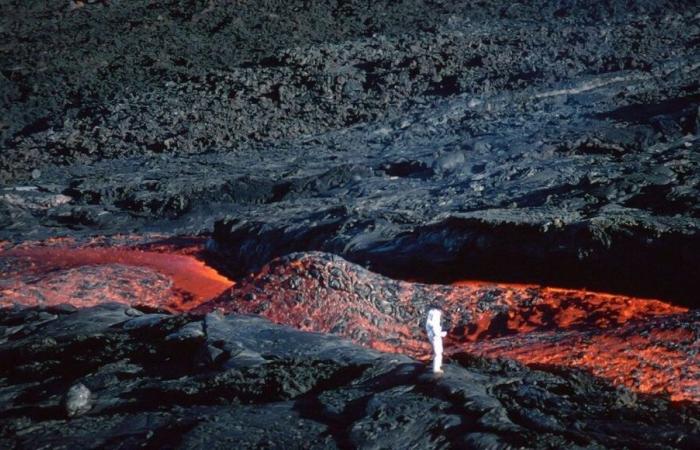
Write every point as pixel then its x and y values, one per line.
pixel 77 400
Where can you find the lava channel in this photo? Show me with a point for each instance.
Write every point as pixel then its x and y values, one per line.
pixel 83 277
pixel 646 345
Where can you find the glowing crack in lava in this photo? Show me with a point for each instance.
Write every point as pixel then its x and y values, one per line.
pixel 646 345
pixel 89 276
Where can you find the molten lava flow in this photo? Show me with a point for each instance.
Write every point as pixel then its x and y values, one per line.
pixel 658 355
pixel 647 345
pixel 644 344
pixel 87 276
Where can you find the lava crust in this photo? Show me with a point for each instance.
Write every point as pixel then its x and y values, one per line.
pixel 647 345
pixel 183 381
pixel 160 160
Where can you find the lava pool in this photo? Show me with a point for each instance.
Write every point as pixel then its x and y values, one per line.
pixel 165 276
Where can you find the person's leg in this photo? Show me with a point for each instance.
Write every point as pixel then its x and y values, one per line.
pixel 437 363
pixel 437 357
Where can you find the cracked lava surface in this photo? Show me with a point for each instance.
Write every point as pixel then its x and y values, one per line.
pixel 646 345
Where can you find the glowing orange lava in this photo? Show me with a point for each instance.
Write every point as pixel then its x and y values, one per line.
pixel 87 276
pixel 647 345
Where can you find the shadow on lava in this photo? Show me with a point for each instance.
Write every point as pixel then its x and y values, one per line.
pixel 579 382
pixel 196 246
pixel 627 259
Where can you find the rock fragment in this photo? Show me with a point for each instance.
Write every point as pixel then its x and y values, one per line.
pixel 190 332
pixel 77 400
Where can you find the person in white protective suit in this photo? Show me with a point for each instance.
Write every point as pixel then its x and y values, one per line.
pixel 435 335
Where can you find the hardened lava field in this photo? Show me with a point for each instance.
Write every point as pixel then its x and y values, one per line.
pixel 222 224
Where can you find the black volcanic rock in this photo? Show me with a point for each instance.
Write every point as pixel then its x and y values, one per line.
pixel 551 142
pixel 488 142
pixel 77 400
pixel 302 389
pixel 127 78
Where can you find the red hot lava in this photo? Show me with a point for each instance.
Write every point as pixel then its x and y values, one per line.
pixel 89 276
pixel 646 345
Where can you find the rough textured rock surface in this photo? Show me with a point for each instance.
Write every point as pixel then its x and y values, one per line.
pixel 559 141
pixel 647 345
pixel 428 140
pixel 248 383
pixel 115 78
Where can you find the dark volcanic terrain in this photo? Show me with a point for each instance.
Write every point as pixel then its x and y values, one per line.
pixel 315 153
pixel 163 381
